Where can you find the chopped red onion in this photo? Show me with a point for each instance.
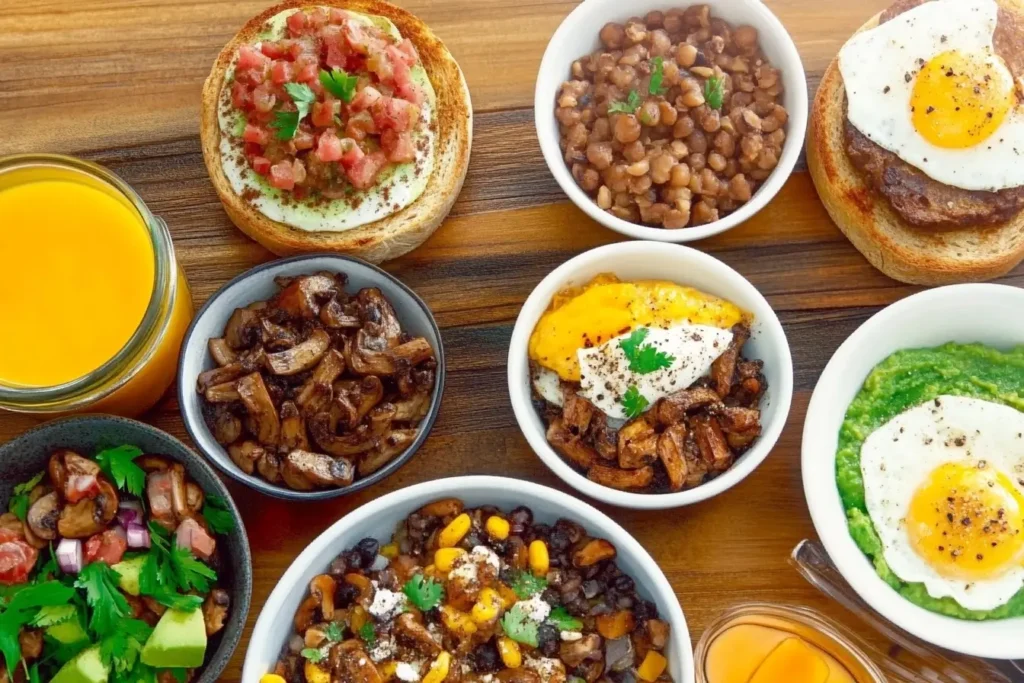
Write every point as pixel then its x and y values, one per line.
pixel 138 536
pixel 69 555
pixel 130 511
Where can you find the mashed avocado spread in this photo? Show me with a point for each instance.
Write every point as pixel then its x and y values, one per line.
pixel 900 382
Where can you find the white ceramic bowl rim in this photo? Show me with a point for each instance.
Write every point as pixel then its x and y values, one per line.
pixel 519 391
pixel 795 80
pixel 997 639
pixel 274 608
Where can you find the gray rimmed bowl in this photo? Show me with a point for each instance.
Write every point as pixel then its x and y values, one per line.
pixel 257 284
pixel 27 455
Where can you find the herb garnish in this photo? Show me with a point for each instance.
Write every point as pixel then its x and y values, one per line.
pixel 108 605
pixel 287 122
pixel 169 569
pixel 120 650
pixel 633 402
pixel 339 83
pixel 19 501
pixel 22 606
pixel 425 593
pixel 312 654
pixel 333 631
pixel 217 515
pixel 714 92
pixel 630 106
pixel 368 635
pixel 117 464
pixel 644 358
pixel 563 621
pixel 519 627
pixel 657 76
pixel 525 585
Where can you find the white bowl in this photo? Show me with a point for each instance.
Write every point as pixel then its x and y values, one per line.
pixel 985 313
pixel 578 36
pixel 685 266
pixel 379 518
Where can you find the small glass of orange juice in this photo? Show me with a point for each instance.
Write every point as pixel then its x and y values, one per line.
pixel 93 304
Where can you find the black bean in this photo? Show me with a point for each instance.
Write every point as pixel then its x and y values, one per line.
pixel 558 540
pixel 541 531
pixel 592 588
pixel 345 594
pixel 354 559
pixel 485 658
pixel 645 610
pixel 519 519
pixel 551 596
pixel 547 639
pixel 368 548
pixel 623 583
pixel 338 567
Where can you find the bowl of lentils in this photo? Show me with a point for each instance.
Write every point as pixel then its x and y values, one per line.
pixel 675 123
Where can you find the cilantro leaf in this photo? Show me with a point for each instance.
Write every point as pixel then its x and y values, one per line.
pixel 312 654
pixel 182 603
pixel 333 631
pixel 169 568
pixel 217 515
pixel 19 501
pixel 630 106
pixel 714 92
pixel 657 76
pixel 525 585
pixel 644 358
pixel 117 464
pixel 563 621
pixel 425 593
pixel 287 122
pixel 631 344
pixel 339 83
pixel 367 633
pixel 180 675
pixel 191 573
pixel 51 615
pixel 61 653
pixel 519 627
pixel 11 622
pixel 101 592
pixel 633 402
pixel 34 595
pixel 120 650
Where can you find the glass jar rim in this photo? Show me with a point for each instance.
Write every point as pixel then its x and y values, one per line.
pixel 164 284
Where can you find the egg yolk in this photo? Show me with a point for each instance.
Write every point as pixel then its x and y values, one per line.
pixel 959 100
pixel 965 521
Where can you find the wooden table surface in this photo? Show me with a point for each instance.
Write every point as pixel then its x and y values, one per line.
pixel 118 82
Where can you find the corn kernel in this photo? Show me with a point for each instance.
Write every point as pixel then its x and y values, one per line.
pixel 653 666
pixel 497 528
pixel 509 651
pixel 487 607
pixel 454 532
pixel 539 561
pixel 508 596
pixel 314 674
pixel 459 623
pixel 389 551
pixel 438 669
pixel 358 618
pixel 271 678
pixel 444 558
pixel 388 669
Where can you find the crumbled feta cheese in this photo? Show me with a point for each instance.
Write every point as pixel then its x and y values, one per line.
pixel 384 649
pixel 570 636
pixel 545 667
pixel 362 661
pixel 407 672
pixel 487 678
pixel 483 554
pixel 535 608
pixel 387 604
pixel 465 570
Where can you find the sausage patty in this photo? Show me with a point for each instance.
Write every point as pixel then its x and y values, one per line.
pixel 919 199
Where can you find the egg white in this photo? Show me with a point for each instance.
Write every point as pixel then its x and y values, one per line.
pixel 878 68
pixel 898 458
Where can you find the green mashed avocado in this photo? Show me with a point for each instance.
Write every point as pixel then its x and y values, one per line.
pixel 900 382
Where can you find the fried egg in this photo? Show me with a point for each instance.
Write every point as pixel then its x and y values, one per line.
pixel 929 86
pixel 943 487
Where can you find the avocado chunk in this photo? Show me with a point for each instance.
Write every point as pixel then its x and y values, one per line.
pixel 68 632
pixel 129 571
pixel 86 667
pixel 178 641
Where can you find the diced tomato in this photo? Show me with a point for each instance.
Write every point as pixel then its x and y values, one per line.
pixel 398 147
pixel 297 23
pixel 303 46
pixel 192 535
pixel 407 52
pixel 412 92
pixel 360 39
pixel 323 113
pixel 251 76
pixel 281 175
pixel 307 74
pixel 391 113
pixel 350 152
pixel 360 125
pixel 364 99
pixel 255 134
pixel 8 534
pixel 337 56
pixel 303 140
pixel 250 58
pixel 328 148
pixel 274 49
pixel 281 72
pixel 240 96
pixel 317 18
pixel 363 173
pixel 158 493
pixel 17 558
pixel 338 16
pixel 263 98
pixel 78 487
pixel 380 63
pixel 108 546
pixel 261 165
pixel 299 171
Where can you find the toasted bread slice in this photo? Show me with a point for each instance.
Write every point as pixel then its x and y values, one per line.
pixel 901 251
pixel 393 235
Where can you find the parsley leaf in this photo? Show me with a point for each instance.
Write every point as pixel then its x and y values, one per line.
pixel 169 568
pixel 22 605
pixel 287 122
pixel 117 464
pixel 19 501
pixel 425 593
pixel 333 632
pixel 525 585
pixel 644 358
pixel 217 515
pixel 11 622
pixel 519 627
pixel 657 76
pixel 51 615
pixel 180 675
pixel 312 654
pixel 120 650
pixel 714 92
pixel 182 603
pixel 630 106
pixel 101 592
pixel 633 402
pixel 563 621
pixel 367 633
pixel 339 83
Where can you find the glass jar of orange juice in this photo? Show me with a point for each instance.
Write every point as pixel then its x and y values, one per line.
pixel 93 304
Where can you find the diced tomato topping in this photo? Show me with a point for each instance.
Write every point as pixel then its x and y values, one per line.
pixel 360 39
pixel 17 559
pixel 296 23
pixel 317 18
pixel 307 74
pixel 261 165
pixel 398 146
pixel 256 134
pixel 364 99
pixel 274 49
pixel 78 487
pixel 299 171
pixel 281 72
pixel 192 535
pixel 323 113
pixel 381 64
pixel 337 56
pixel 338 16
pixel 251 76
pixel 328 148
pixel 281 175
pixel 391 113
pixel 412 92
pixel 360 125
pixel 407 53
pixel 351 153
pixel 363 173
pixel 240 96
pixel 250 58
pixel 108 546
pixel 303 140
pixel 7 534
pixel 263 98
pixel 303 46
